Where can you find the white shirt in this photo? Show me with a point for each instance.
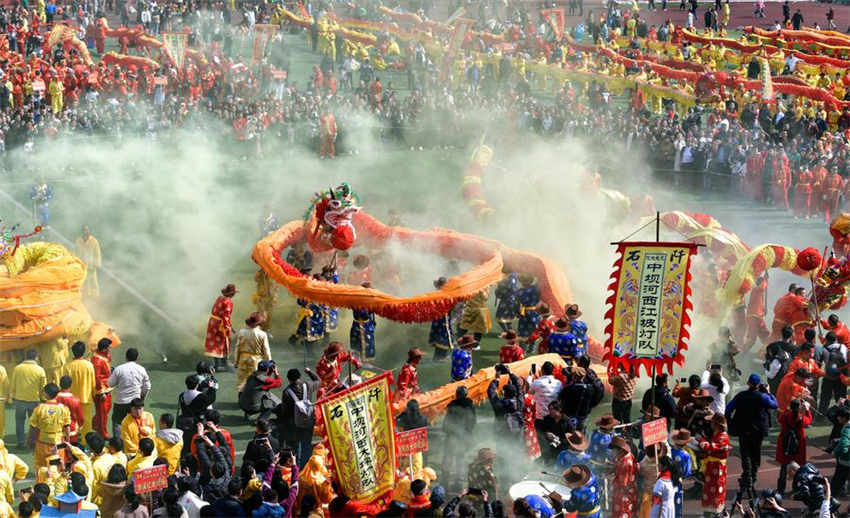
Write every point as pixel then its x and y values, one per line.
pixel 666 493
pixel 545 389
pixel 130 381
pixel 719 403
pixel 192 504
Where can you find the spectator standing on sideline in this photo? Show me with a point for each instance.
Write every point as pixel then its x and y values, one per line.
pixel 458 428
pixel 664 401
pixel 832 387
pixel 748 415
pixel 28 379
pixel 842 453
pixel 131 382
pixel 297 432
pixel 624 390
pixel 791 443
pixel 544 389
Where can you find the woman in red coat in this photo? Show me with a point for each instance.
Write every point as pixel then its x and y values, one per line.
pixel 794 420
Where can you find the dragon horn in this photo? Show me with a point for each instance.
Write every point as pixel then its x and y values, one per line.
pixel 331 190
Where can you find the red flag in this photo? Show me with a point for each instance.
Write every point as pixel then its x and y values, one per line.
pixel 555 18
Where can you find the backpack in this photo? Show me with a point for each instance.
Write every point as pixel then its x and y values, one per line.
pixel 790 443
pixel 598 391
pixel 303 413
pixel 835 359
pixel 516 424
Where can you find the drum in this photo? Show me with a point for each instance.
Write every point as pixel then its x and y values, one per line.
pixel 536 487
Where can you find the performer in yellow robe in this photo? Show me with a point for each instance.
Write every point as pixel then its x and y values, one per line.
pixel 52 356
pixel 57 95
pixel 252 347
pixel 265 298
pixel 476 315
pixel 88 250
pixel 4 396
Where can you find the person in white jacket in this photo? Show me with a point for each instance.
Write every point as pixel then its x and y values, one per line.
pixel 545 389
pixel 718 388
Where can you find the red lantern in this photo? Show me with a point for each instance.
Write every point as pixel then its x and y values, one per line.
pixel 809 259
pixel 343 237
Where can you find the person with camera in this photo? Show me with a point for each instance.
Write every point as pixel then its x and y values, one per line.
pixel 748 415
pixel 810 487
pixel 256 397
pixel 777 358
pixel 263 445
pixel 723 353
pixel 193 403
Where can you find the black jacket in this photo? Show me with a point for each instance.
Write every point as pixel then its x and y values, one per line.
pixel 576 400
pixel 806 489
pixel 229 506
pixel 257 450
pixel 449 511
pixel 460 417
pixel 663 401
pixel 504 407
pixel 286 410
pixel 748 413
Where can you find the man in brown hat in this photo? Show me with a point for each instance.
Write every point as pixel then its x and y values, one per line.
pixel 544 328
pixel 585 496
pixel 219 328
pixel 684 457
pixel 576 452
pixel 462 358
pixel 481 475
pixel 600 454
pixel 693 416
pixel 561 341
pixel 511 351
pixel 408 379
pixel 252 347
pixel 441 335
pixel 577 327
pixel 329 367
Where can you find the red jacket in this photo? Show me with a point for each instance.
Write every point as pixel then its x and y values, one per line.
pixel 101 373
pixel 789 422
pixel 353 508
pixel 511 353
pixel 73 403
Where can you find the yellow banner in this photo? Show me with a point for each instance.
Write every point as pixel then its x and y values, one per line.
pixel 649 305
pixel 359 427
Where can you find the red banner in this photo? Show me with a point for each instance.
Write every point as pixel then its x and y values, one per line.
pixel 150 479
pixel 654 432
pixel 411 441
pixel 555 19
pixel 262 34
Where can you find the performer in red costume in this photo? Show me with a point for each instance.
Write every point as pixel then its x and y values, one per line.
pixel 544 328
pixel 756 328
pixel 781 182
pixel 102 399
pixel 791 310
pixel 832 194
pixel 717 451
pixel 73 403
pixel 511 351
pixel 329 367
pixel 327 144
pixel 219 328
pixel 839 328
pixel 819 174
pixel 408 379
pixel 803 193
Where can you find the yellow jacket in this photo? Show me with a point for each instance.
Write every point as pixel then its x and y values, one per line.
pixel 169 444
pixel 82 372
pixel 6 493
pixel 132 431
pixel 53 354
pixel 28 379
pixel 6 511
pixel 52 419
pixel 83 466
pixel 139 462
pixel 4 384
pixel 100 464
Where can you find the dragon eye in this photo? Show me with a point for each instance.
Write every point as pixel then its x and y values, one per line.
pixel 335 204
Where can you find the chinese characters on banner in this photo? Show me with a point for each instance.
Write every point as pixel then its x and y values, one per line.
pixel 555 19
pixel 359 428
pixel 411 441
pixel 262 34
pixel 653 432
pixel 650 302
pixel 150 479
pixel 175 44
pixel 461 28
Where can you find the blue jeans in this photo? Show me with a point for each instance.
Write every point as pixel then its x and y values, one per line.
pixel 23 410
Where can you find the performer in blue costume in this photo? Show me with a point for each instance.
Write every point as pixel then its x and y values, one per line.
pixel 309 324
pixel 362 334
pixel 600 440
pixel 577 327
pixel 441 336
pixel 299 256
pixel 330 274
pixel 507 307
pixel 41 194
pixel 561 341
pixel 585 496
pixel 576 452
pixel 527 298
pixel 462 358
pixel 682 458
